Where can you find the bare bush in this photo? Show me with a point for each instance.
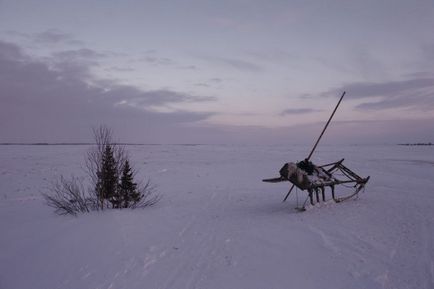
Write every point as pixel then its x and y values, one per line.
pixel 148 196
pixel 69 197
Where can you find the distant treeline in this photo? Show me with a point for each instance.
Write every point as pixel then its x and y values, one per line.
pixel 42 144
pixel 417 144
pixel 86 144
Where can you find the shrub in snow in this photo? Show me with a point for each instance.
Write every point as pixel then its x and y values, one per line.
pixel 107 182
pixel 103 164
pixel 130 194
pixel 127 187
pixel 69 197
pixel 111 178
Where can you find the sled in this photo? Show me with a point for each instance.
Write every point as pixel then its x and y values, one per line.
pixel 306 176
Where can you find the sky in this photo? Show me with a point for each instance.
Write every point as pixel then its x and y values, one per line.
pixel 217 72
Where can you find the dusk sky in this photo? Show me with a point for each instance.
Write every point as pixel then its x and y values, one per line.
pixel 217 71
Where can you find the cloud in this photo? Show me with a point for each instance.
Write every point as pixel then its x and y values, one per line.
pixel 10 52
pixel 40 102
pixel 387 89
pixel 139 98
pixel 47 37
pixel 83 53
pixel 290 111
pixel 238 64
pixel 210 82
pixel 120 69
pixel 54 36
pixel 274 56
pixel 427 56
pixel 414 93
pixel 188 67
pixel 151 57
pixel 154 60
pixel 390 131
pixel 202 84
pixel 76 61
pixel 361 62
pixel 419 74
pixel 215 80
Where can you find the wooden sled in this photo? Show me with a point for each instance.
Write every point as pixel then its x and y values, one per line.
pixel 314 179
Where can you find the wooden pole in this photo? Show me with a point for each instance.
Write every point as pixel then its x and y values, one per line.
pixel 325 127
pixel 287 195
pixel 317 141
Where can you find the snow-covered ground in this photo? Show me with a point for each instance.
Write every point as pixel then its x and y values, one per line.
pixel 218 226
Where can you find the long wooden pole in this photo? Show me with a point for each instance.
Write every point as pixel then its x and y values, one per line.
pixel 325 127
pixel 317 141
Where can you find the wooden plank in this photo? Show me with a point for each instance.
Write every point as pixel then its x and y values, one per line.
pixel 274 180
pixel 334 163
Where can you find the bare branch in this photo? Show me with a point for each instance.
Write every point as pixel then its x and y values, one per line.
pixel 68 197
pixel 148 196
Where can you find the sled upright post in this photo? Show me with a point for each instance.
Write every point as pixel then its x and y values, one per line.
pixel 325 127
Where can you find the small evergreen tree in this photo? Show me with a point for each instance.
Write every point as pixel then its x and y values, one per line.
pixel 127 188
pixel 107 184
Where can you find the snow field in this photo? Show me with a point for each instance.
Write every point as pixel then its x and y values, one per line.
pixel 218 225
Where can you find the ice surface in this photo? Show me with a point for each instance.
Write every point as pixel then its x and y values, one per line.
pixel 218 225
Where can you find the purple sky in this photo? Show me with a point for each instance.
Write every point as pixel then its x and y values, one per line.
pixel 217 71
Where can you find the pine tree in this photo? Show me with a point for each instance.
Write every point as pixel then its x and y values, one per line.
pixel 128 189
pixel 107 185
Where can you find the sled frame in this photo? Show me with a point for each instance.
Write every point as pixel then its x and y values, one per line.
pixel 330 169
